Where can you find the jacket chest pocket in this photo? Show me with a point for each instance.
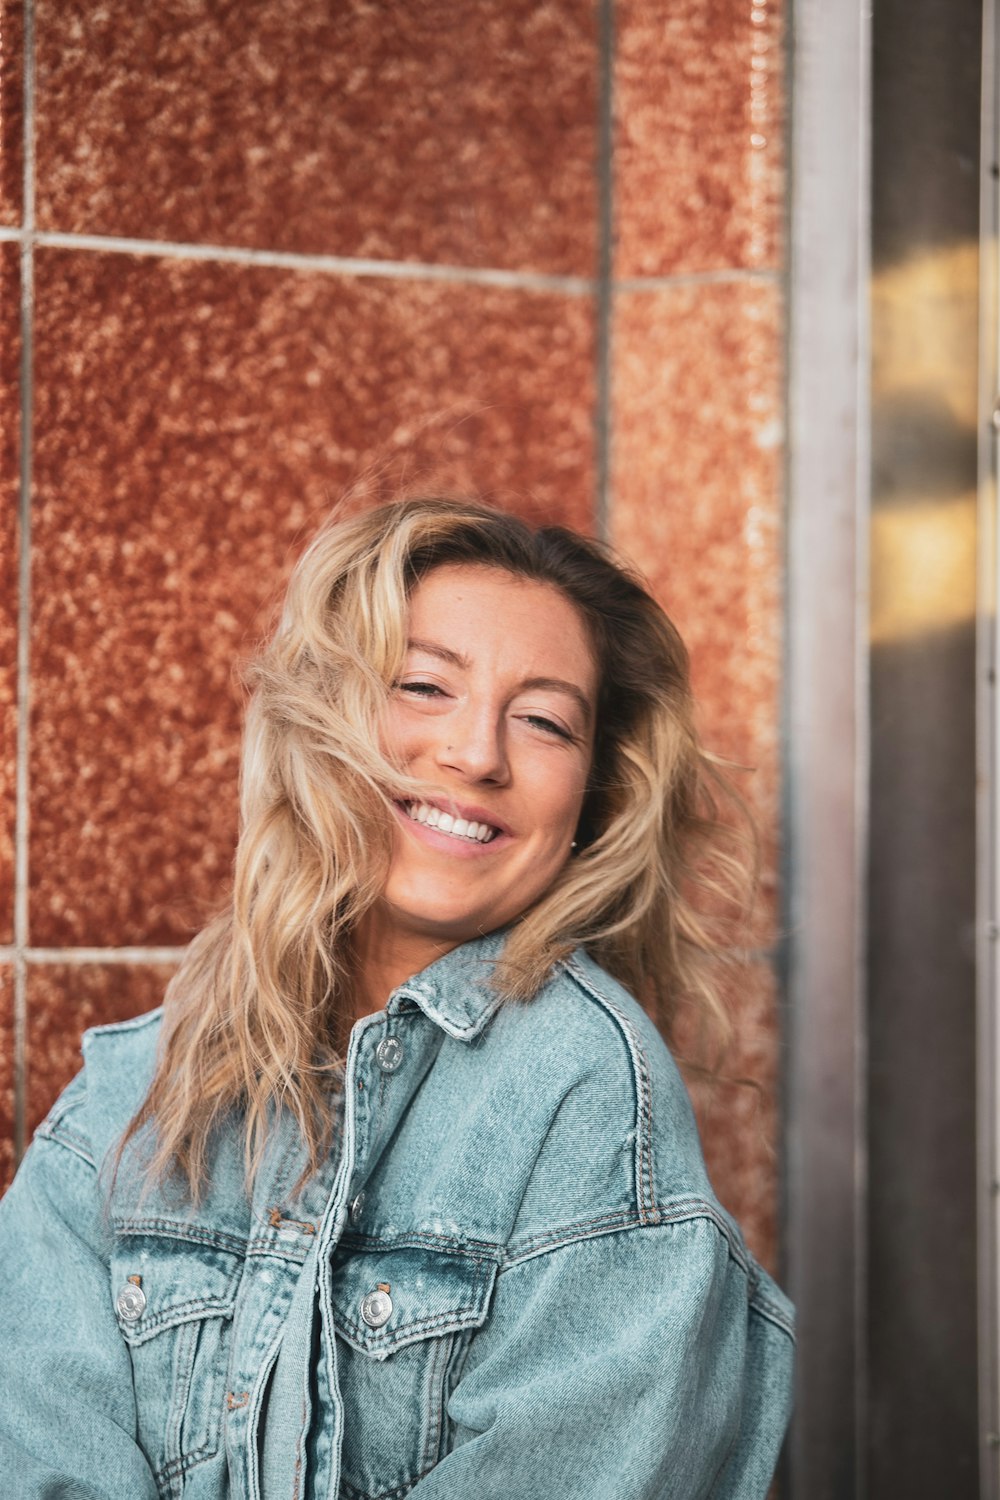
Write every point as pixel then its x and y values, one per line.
pixel 174 1303
pixel 404 1320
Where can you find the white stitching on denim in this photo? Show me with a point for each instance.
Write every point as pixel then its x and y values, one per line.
pixel 171 1229
pixel 58 1135
pixel 668 1214
pixel 468 1315
pixel 641 1080
pixel 680 1211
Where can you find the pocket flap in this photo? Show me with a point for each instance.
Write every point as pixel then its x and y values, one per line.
pixel 423 1293
pixel 158 1283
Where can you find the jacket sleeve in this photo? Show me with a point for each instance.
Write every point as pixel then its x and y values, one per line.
pixel 67 1409
pixel 622 1367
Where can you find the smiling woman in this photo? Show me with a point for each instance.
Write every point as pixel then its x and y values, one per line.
pixel 508 719
pixel 401 1191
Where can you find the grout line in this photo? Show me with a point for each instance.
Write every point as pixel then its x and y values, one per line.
pixel 785 913
pixel 28 124
pixel 338 265
pixel 24 598
pixel 398 270
pixel 165 954
pixel 134 955
pixel 768 954
pixel 699 278
pixel 605 252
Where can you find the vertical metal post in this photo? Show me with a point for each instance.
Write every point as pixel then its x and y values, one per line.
pixel 828 483
pixel 920 1327
pixel 988 767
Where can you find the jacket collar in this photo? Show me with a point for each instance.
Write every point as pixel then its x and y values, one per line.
pixel 455 991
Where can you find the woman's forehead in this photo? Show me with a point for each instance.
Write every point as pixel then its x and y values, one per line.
pixel 474 610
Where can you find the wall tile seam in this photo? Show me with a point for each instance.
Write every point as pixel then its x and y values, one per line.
pixel 22 744
pixel 604 285
pixel 331 265
pixel 784 720
pixel 94 955
pixel 397 270
pixel 723 276
pixel 136 954
pixel 28 116
pixel 22 762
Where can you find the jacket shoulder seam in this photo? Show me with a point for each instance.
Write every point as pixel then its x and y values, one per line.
pixel 113 1028
pixel 61 1134
pixel 645 1194
pixel 671 1211
pixel 773 1313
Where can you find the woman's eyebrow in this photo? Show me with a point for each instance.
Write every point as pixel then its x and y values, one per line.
pixel 444 652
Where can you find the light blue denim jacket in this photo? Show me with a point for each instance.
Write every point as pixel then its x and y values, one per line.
pixel 511 1281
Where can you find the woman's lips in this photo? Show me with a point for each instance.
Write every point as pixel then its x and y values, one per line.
pixel 458 846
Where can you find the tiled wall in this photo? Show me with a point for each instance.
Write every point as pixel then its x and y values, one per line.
pixel 253 252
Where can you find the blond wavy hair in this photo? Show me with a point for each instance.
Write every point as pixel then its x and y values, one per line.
pixel 257 1013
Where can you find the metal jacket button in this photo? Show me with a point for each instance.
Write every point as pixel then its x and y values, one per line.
pixel 357 1207
pixel 130 1303
pixel 376 1308
pixel 389 1054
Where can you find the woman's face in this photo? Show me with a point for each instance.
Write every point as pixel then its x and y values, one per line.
pixel 495 707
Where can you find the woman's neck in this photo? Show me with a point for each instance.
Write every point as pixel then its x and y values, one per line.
pixel 384 956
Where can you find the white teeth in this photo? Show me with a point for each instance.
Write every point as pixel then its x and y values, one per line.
pixel 461 828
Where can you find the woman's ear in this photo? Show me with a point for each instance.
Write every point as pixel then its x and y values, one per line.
pixel 587 828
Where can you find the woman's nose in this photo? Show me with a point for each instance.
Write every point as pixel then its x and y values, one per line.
pixel 473 743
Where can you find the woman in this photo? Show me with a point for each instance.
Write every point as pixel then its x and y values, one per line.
pixel 401 1192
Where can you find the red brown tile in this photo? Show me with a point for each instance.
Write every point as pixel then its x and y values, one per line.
pixel 10 456
pixel 697 505
pixel 442 133
pixel 737 1109
pixel 7 1128
pixel 64 1000
pixel 698 135
pixel 192 423
pixel 11 111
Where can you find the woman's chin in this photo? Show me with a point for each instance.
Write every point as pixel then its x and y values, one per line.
pixel 438 924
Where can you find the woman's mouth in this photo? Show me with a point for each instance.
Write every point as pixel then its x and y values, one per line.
pixel 443 822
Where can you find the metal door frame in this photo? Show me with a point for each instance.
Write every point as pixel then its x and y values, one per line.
pixel 826 736
pixel 988 774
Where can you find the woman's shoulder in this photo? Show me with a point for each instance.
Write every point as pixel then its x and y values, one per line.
pixel 93 1110
pixel 604 1085
pixel 630 1094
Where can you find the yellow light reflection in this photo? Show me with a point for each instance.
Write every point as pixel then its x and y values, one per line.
pixel 925 334
pixel 925 328
pixel 923 565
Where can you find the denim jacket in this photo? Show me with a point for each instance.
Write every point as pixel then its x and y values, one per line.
pixel 510 1280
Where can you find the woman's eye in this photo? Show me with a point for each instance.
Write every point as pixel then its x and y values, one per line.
pixel 419 689
pixel 548 725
